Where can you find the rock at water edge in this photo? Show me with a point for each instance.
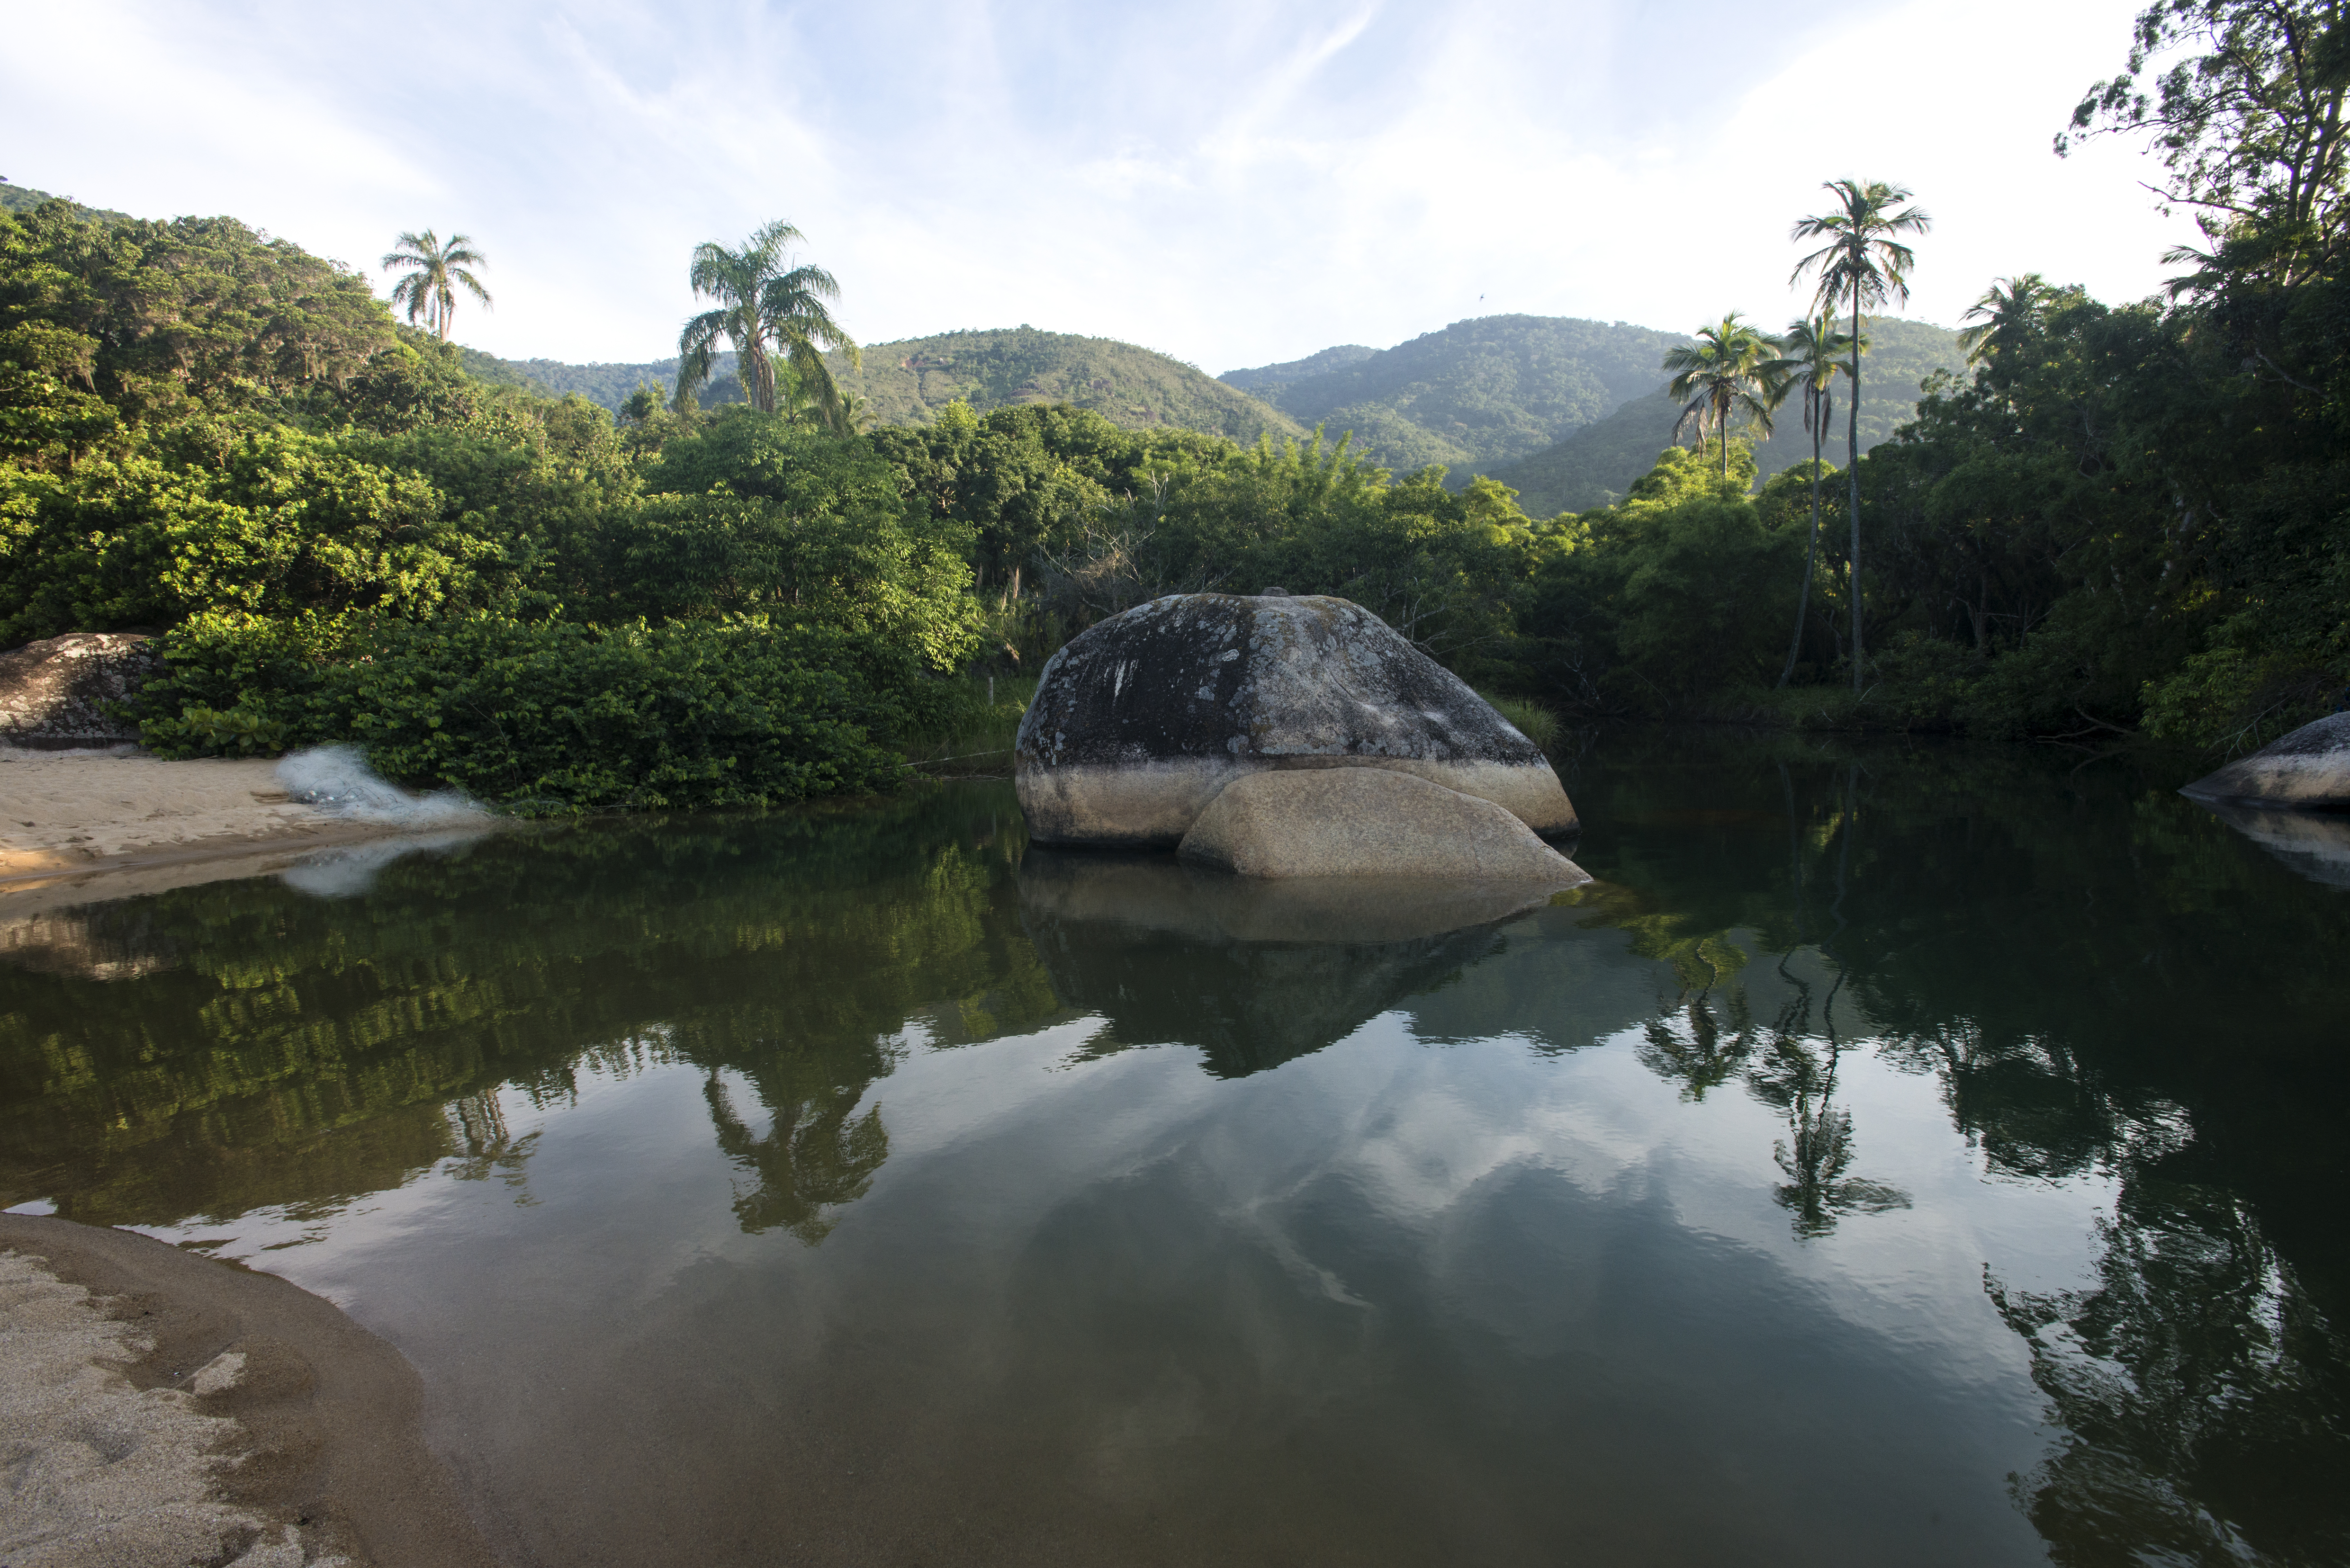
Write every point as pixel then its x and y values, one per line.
pixel 1139 722
pixel 1368 822
pixel 2310 767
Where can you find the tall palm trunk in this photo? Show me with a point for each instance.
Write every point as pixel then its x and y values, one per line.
pixel 1811 551
pixel 1852 472
pixel 760 379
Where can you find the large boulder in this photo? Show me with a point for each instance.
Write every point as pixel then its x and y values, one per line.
pixel 53 693
pixel 1140 722
pixel 1368 822
pixel 2309 768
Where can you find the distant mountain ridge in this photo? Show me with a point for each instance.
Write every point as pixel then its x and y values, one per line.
pixel 1473 395
pixel 1597 463
pixel 1266 380
pixel 908 381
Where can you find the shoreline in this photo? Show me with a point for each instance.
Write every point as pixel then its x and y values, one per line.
pixel 81 826
pixel 252 1417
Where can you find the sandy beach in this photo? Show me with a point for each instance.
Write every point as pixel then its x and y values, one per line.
pixel 160 1409
pixel 117 823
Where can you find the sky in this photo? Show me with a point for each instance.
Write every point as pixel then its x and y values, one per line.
pixel 1233 183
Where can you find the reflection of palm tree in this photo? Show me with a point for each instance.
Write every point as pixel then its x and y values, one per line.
pixel 479 1121
pixel 1819 1147
pixel 1699 1058
pixel 813 1155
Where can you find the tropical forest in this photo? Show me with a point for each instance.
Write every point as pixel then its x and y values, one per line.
pixel 779 564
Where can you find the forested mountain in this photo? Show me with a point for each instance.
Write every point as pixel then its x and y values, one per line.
pixel 1597 463
pixel 906 382
pixel 1268 381
pixel 20 199
pixel 1476 394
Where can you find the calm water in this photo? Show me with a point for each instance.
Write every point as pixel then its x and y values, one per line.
pixel 1911 1156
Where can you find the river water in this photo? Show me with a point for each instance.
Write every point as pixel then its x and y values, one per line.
pixel 1901 1154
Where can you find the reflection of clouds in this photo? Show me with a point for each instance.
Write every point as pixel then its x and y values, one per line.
pixel 351 872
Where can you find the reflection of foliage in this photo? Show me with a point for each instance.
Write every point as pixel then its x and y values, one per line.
pixel 2102 978
pixel 814 1155
pixel 1799 1076
pixel 2201 1391
pixel 1689 1047
pixel 486 1148
pixel 1700 957
pixel 786 946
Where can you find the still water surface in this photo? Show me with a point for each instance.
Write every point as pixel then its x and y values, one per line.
pixel 1913 1155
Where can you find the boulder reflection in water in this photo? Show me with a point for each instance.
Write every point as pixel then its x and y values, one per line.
pixel 2315 844
pixel 1253 971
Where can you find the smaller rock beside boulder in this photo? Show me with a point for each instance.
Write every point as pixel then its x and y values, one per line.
pixel 1367 822
pixel 2310 768
pixel 52 692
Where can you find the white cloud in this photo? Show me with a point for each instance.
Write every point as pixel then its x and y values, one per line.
pixel 1234 184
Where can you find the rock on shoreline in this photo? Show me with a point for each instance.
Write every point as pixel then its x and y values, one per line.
pixel 1139 722
pixel 53 692
pixel 2308 768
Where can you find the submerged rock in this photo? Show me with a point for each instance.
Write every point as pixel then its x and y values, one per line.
pixel 2310 767
pixel 1368 822
pixel 1139 722
pixel 52 692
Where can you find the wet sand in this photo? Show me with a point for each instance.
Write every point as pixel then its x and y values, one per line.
pixel 94 825
pixel 161 1409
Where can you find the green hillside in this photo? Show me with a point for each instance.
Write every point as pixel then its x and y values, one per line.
pixel 23 199
pixel 1598 463
pixel 1474 394
pixel 906 382
pixel 1268 381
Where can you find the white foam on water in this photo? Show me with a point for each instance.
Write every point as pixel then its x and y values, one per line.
pixel 337 780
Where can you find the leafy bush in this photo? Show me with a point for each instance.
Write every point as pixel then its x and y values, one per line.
pixel 555 716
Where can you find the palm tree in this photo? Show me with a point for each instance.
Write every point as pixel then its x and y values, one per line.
pixel 434 271
pixel 765 310
pixel 1724 372
pixel 1811 368
pixel 1863 263
pixel 2012 308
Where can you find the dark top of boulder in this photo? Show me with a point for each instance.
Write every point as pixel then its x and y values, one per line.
pixel 2320 738
pixel 1232 677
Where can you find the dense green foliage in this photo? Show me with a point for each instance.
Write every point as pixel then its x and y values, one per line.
pixel 2115 522
pixel 344 536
